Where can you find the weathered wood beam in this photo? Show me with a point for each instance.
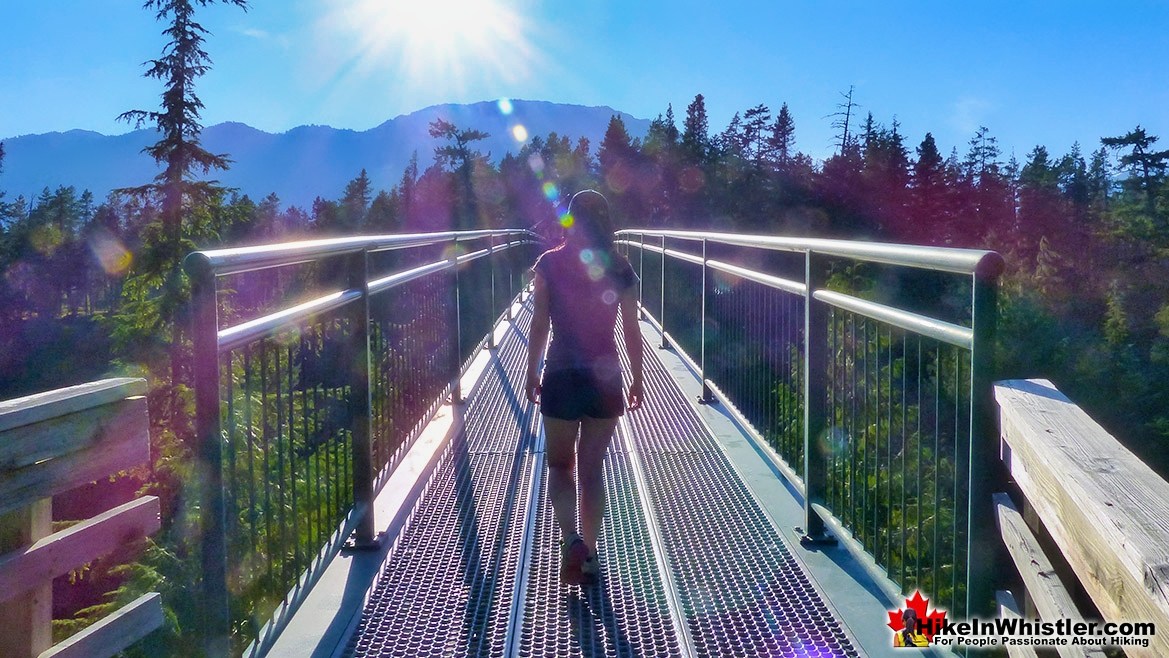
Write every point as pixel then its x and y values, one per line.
pixel 1009 609
pixel 58 454
pixel 1106 509
pixel 114 633
pixel 63 551
pixel 51 404
pixel 1052 599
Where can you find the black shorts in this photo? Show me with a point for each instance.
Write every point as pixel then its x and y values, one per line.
pixel 572 394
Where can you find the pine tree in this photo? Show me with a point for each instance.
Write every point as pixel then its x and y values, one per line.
pixel 755 139
pixel 616 156
pixel 154 296
pixel 845 140
pixel 1146 167
pixel 183 61
pixel 696 132
pixel 459 156
pixel 355 203
pixel 782 141
pixel 930 214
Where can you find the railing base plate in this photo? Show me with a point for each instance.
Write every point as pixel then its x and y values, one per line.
pixel 823 540
pixel 354 545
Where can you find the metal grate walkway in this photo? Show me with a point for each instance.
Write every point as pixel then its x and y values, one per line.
pixel 692 564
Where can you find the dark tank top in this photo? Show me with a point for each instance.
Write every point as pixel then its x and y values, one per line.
pixel 584 289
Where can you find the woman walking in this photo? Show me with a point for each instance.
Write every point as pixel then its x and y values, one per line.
pixel 581 287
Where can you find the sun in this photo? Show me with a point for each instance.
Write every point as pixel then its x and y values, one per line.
pixel 430 42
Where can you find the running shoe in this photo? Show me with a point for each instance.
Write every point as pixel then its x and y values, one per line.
pixel 573 554
pixel 590 571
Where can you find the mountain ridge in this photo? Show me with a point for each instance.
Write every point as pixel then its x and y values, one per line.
pixel 301 163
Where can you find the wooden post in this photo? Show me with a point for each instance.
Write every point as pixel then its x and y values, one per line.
pixel 26 622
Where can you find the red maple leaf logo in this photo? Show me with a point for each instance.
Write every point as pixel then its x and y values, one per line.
pixel 929 621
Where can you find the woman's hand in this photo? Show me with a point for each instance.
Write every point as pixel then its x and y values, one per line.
pixel 636 395
pixel 532 387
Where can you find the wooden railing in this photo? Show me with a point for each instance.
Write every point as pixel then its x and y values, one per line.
pixel 51 443
pixel 1105 510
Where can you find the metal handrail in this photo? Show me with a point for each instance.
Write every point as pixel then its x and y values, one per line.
pixel 946 332
pixel 979 262
pixel 237 260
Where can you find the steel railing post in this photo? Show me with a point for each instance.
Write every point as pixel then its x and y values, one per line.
pixel 641 277
pixel 456 328
pixel 815 395
pixel 511 291
pixel 707 396
pixel 662 298
pixel 492 316
pixel 986 469
pixel 205 329
pixel 360 403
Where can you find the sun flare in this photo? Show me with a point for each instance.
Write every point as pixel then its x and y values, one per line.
pixel 437 42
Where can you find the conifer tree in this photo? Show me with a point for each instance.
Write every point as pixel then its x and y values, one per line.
pixel 183 61
pixel 1147 168
pixel 696 132
pixel 460 157
pixel 781 143
pixel 154 295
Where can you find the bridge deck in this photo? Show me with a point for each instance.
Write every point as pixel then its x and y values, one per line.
pixel 697 548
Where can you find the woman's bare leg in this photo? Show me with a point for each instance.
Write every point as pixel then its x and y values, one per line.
pixel 560 455
pixel 595 435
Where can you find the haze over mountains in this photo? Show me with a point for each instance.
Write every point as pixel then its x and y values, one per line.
pixel 298 165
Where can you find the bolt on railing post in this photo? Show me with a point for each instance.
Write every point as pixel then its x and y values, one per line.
pixel 215 605
pixel 707 396
pixel 360 416
pixel 456 329
pixel 815 395
pixel 662 297
pixel 986 470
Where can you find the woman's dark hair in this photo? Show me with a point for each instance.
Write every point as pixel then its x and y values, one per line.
pixel 590 219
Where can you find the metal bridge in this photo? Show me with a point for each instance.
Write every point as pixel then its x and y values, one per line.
pixel 785 465
pixel 694 563
pixel 818 445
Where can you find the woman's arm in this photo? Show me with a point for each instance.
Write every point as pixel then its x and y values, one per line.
pixel 631 330
pixel 537 338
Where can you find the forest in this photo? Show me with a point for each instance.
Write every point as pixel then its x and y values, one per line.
pixel 1084 235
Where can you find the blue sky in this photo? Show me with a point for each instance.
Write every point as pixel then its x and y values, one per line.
pixel 1050 73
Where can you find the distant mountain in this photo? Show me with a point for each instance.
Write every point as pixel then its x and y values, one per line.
pixel 298 165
